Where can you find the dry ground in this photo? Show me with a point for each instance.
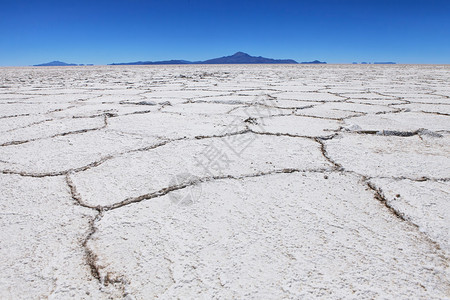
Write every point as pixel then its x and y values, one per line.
pixel 200 182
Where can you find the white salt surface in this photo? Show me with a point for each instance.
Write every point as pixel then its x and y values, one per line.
pixel 225 182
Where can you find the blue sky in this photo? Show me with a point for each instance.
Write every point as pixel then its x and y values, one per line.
pixel 337 31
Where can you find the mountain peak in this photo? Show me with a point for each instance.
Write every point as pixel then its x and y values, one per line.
pixel 237 58
pixel 240 54
pixel 244 58
pixel 55 63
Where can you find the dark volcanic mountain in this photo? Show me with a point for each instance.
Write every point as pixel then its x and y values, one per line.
pixel 313 62
pixel 237 58
pixel 244 58
pixel 164 62
pixel 55 64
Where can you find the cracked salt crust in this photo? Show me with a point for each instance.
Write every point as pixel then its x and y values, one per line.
pixel 289 104
pixel 409 121
pixel 15 123
pixel 359 107
pixel 227 99
pixel 369 96
pixel 340 188
pixel 200 108
pixel 320 97
pixel 152 170
pixel 325 112
pixel 392 156
pixel 9 110
pixel 430 108
pixel 425 204
pixel 63 153
pixel 294 240
pixel 173 126
pixel 51 128
pixel 93 109
pixel 41 250
pixel 297 126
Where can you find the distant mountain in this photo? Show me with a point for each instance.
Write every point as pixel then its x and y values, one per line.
pixel 385 63
pixel 313 62
pixel 55 64
pixel 377 63
pixel 244 58
pixel 237 58
pixel 164 62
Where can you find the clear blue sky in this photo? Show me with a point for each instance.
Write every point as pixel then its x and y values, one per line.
pixel 337 31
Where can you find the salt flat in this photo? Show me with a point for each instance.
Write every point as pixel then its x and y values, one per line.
pixel 243 181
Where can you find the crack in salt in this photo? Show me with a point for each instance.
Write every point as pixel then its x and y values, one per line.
pixel 379 195
pixel 13 143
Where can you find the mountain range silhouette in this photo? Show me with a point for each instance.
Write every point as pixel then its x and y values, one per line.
pixel 237 58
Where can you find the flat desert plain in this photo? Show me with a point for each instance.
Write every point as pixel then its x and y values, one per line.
pixel 225 182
